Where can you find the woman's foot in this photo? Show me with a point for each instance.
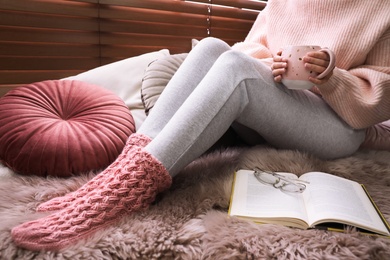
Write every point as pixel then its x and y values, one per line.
pixel 58 203
pixel 129 187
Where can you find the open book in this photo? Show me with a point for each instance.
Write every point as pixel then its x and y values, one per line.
pixel 328 202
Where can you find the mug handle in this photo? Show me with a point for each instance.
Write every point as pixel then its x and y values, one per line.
pixel 332 63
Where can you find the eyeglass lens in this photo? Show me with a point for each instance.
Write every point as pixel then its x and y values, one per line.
pixel 282 183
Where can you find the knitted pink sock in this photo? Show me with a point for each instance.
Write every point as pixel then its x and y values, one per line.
pixel 129 187
pixel 58 203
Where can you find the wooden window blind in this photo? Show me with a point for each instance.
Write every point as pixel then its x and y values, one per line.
pixel 52 39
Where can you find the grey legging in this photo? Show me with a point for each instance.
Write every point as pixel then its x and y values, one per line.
pixel 216 86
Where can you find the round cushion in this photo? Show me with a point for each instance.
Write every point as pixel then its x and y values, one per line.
pixel 62 128
pixel 156 77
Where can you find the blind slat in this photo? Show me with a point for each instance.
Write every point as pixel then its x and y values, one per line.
pixel 39 20
pixel 151 28
pixel 48 49
pixel 48 63
pixel 244 4
pixel 51 39
pixel 29 35
pixel 60 7
pixel 137 39
pixel 162 17
pixel 182 7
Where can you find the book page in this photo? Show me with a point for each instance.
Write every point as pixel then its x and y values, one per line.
pixel 252 198
pixel 332 198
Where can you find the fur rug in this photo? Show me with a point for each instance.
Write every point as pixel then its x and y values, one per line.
pixel 190 220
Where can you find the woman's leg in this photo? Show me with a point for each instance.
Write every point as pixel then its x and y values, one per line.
pixel 127 185
pixel 240 88
pixel 236 87
pixel 185 80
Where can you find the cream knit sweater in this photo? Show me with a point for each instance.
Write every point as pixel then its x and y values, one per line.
pixel 358 31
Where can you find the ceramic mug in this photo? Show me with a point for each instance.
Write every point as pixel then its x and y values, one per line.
pixel 296 75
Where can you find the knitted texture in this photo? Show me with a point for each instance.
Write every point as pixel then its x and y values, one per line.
pixel 58 203
pixel 131 186
pixel 359 35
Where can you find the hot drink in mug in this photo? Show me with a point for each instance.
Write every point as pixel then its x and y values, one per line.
pixel 296 75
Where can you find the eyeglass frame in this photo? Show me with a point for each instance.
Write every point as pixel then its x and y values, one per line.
pixel 287 181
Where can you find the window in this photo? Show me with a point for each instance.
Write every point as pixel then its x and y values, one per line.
pixel 51 39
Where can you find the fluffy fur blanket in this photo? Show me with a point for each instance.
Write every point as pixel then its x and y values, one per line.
pixel 190 220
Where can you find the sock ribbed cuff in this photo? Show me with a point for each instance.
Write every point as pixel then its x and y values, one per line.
pixel 130 187
pixel 58 203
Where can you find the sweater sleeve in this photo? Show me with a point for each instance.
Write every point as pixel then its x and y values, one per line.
pixel 377 137
pixel 255 44
pixel 361 95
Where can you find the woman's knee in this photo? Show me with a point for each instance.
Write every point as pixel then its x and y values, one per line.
pixel 212 42
pixel 212 45
pixel 234 58
pixel 344 145
pixel 243 65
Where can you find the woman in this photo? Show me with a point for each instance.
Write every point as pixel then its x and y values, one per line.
pixel 218 85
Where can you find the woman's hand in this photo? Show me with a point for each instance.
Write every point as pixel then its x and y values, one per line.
pixel 278 67
pixel 318 62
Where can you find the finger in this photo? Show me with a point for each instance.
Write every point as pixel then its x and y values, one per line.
pixel 317 58
pixel 316 61
pixel 315 68
pixel 318 55
pixel 317 81
pixel 279 59
pixel 278 78
pixel 279 65
pixel 278 72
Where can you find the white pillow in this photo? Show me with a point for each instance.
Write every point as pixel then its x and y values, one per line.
pixel 124 78
pixel 194 42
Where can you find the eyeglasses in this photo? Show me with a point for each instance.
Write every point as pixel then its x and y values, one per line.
pixel 279 181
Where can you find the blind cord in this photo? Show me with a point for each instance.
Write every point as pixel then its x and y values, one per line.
pixel 209 14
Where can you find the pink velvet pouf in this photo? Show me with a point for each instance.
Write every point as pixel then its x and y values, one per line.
pixel 62 128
